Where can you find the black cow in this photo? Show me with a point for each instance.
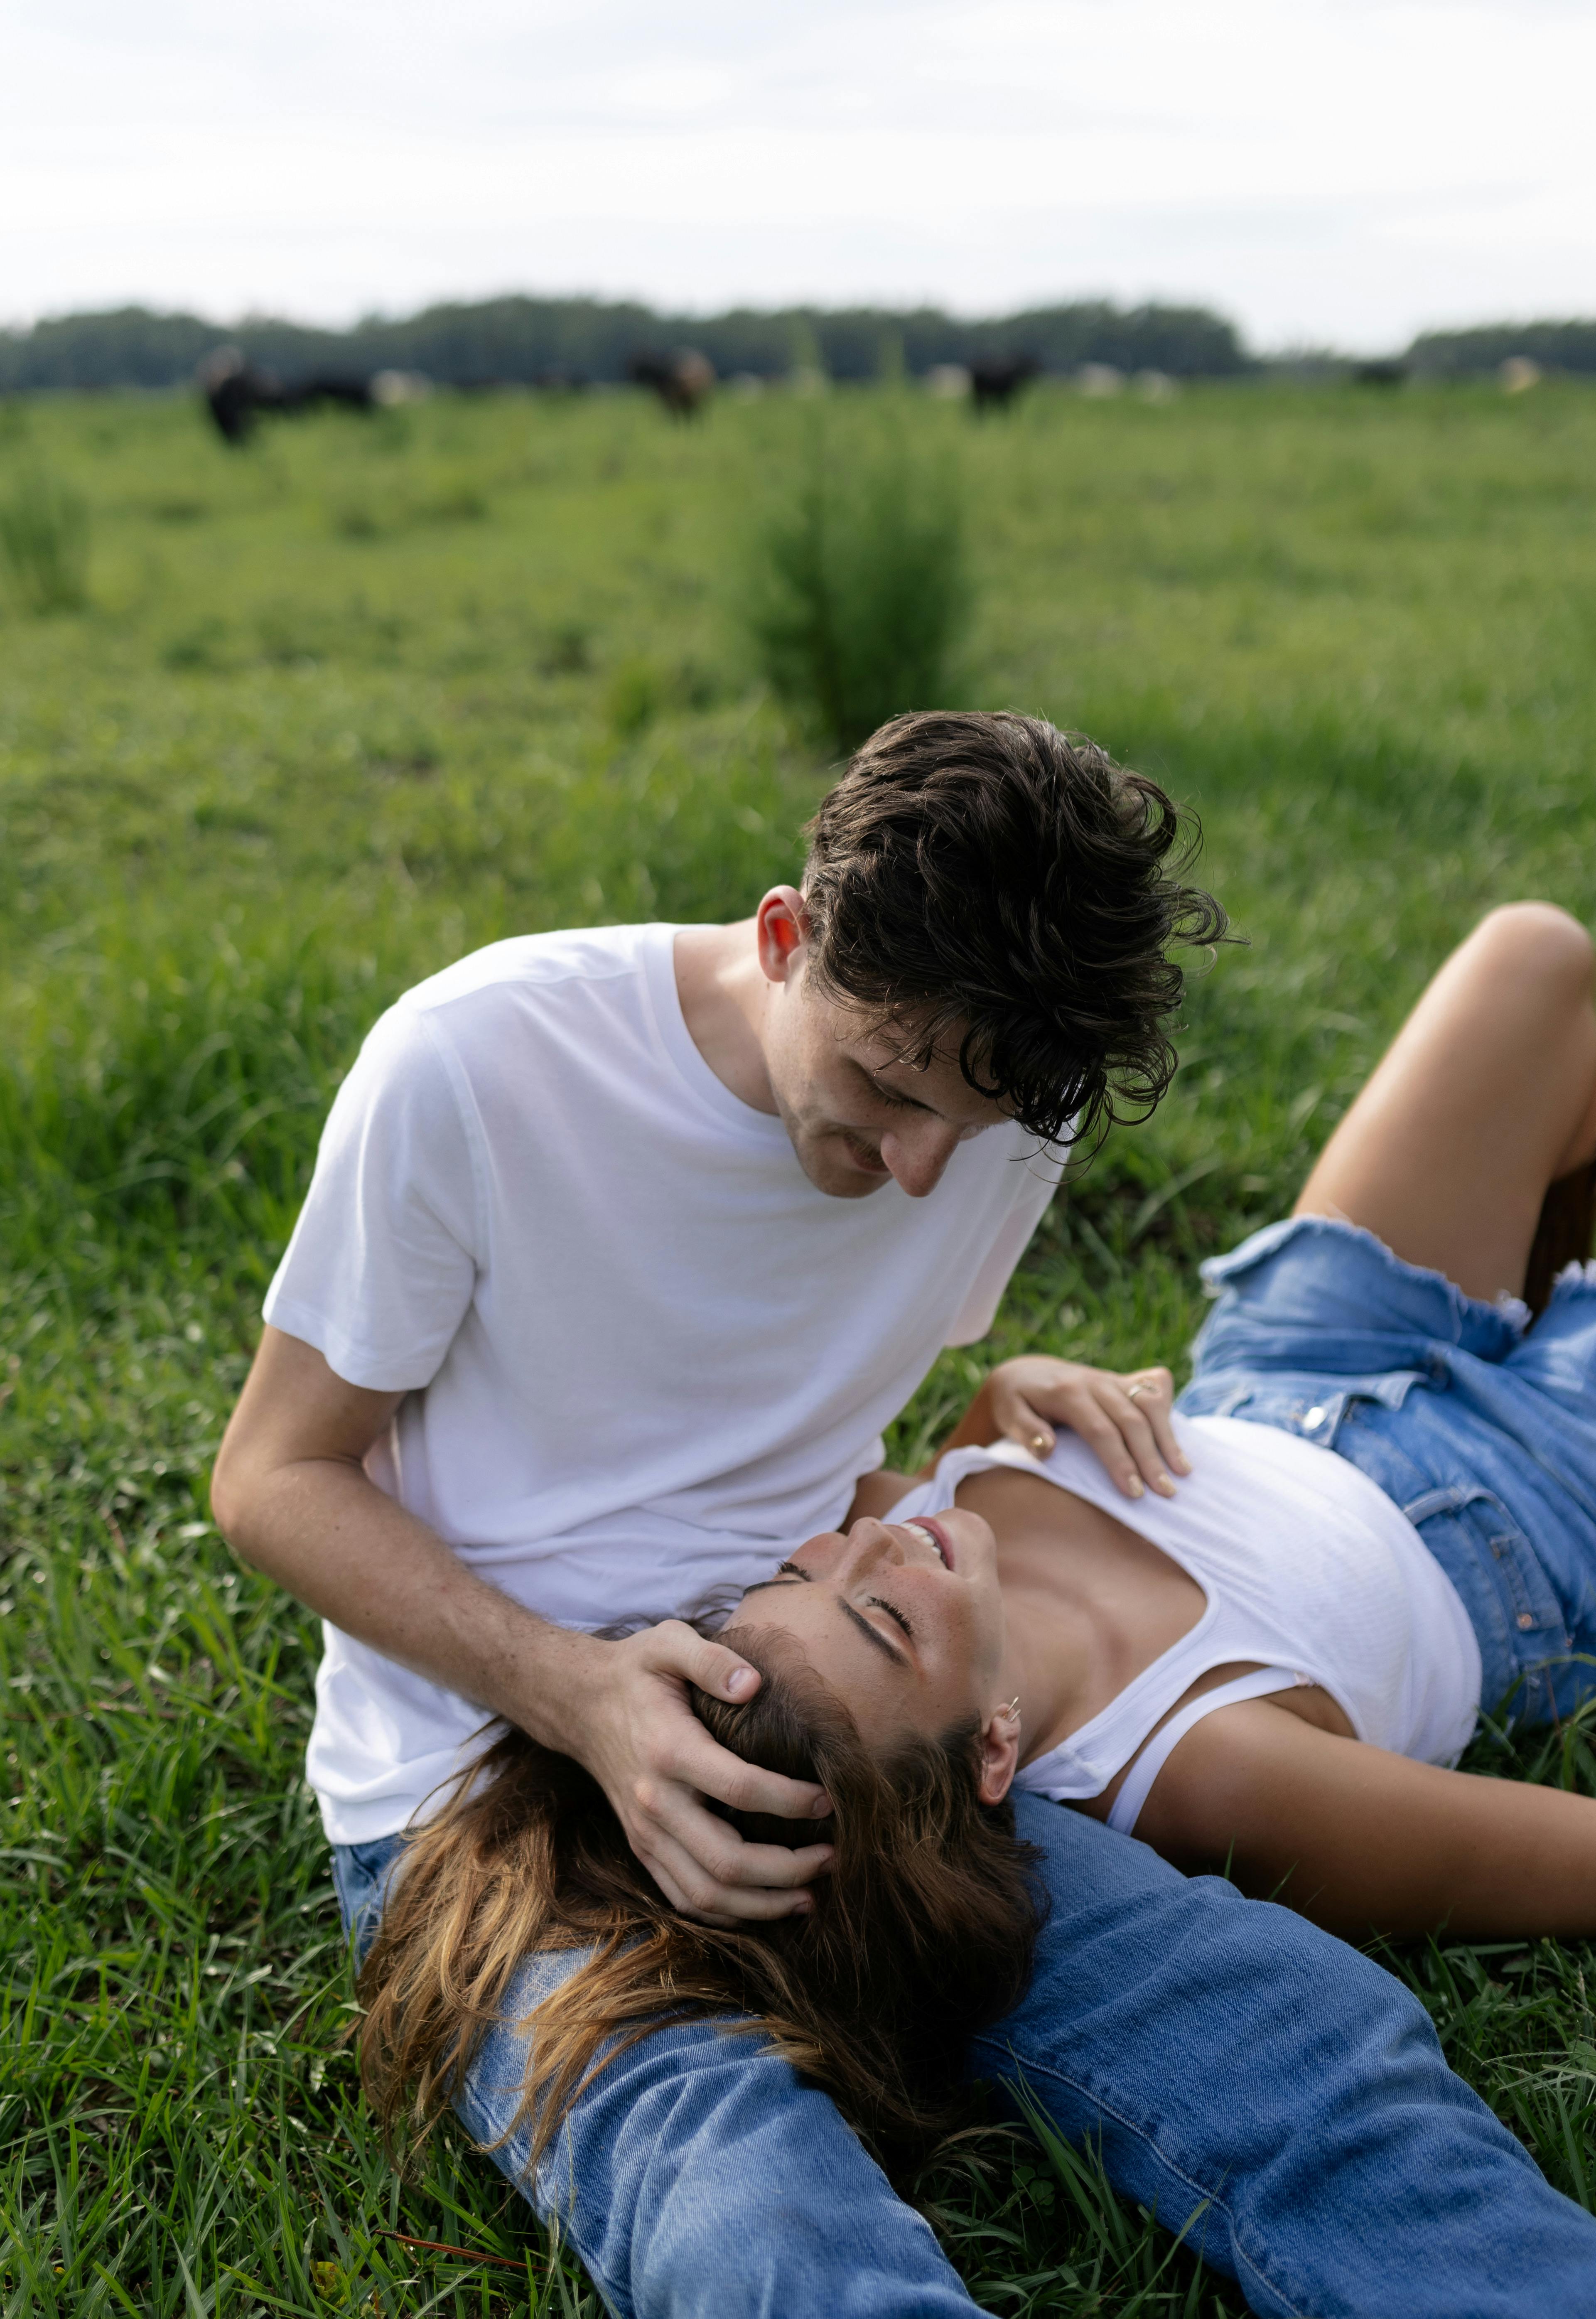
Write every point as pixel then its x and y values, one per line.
pixel 993 385
pixel 237 393
pixel 683 379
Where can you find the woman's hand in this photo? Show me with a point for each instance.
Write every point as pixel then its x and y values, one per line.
pixel 1125 1418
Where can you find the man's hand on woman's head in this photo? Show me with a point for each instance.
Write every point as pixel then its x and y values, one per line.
pixel 656 1763
pixel 1125 1417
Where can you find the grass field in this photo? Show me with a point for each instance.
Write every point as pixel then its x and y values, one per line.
pixel 342 707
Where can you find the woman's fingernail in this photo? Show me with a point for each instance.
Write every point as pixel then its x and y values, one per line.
pixel 740 1681
pixel 822 1810
pixel 804 1909
pixel 1164 1481
pixel 1135 1485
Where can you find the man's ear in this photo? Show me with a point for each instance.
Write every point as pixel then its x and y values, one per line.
pixel 1000 1754
pixel 782 929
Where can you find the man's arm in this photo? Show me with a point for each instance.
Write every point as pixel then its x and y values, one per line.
pixel 292 1497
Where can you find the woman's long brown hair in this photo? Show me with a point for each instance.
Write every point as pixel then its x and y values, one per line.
pixel 922 1932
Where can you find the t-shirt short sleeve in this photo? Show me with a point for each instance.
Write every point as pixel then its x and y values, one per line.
pixel 979 1309
pixel 381 1268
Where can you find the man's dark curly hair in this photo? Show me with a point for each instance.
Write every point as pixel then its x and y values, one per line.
pixel 997 889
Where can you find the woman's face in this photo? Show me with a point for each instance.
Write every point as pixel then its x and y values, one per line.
pixel 904 1620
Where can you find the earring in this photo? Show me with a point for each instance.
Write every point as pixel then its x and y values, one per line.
pixel 1013 1708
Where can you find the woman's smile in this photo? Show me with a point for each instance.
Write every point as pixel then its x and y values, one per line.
pixel 938 1536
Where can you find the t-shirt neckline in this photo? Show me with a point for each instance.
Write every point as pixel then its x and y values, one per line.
pixel 659 963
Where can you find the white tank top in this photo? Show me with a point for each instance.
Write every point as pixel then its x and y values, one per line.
pixel 1308 1568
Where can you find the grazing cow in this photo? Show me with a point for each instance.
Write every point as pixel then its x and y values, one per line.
pixel 390 389
pixel 1096 379
pixel 236 394
pixel 948 382
pixel 993 385
pixel 683 379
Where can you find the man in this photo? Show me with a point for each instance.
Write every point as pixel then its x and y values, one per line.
pixel 622 1248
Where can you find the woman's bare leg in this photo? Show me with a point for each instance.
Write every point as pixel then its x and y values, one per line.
pixel 1486 1097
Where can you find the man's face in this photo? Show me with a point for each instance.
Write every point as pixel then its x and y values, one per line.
pixel 859 1116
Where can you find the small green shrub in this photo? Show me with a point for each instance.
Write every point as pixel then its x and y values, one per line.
pixel 356 518
pixel 642 689
pixel 202 645
pixel 459 501
pixel 44 533
pixel 179 507
pixel 636 694
pixel 291 634
pixel 569 651
pixel 859 590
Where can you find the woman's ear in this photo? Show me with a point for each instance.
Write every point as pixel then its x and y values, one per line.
pixel 1000 1751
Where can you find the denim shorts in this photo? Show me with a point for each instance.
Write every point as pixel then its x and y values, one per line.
pixel 1480 1424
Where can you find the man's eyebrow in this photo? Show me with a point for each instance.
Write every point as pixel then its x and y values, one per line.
pixel 873 1634
pixel 760 1584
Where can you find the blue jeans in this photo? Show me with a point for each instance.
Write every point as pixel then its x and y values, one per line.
pixel 1252 2080
pixel 1484 1434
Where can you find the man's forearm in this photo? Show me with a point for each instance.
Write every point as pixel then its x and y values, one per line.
pixel 291 1492
pixel 345 1549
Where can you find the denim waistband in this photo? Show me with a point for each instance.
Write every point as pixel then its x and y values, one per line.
pixel 1480 1543
pixel 1481 1427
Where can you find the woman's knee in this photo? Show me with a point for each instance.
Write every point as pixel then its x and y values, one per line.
pixel 1539 942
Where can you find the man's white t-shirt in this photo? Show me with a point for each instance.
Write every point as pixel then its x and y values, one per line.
pixel 642 1355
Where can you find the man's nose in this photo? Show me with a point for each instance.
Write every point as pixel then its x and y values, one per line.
pixel 917 1158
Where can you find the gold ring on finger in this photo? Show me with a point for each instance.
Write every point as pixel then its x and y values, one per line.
pixel 1132 1390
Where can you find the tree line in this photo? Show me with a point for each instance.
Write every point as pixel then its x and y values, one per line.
pixel 1458 354
pixel 529 340
pixel 523 341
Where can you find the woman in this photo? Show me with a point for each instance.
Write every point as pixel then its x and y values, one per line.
pixel 1266 1666
pixel 925 1934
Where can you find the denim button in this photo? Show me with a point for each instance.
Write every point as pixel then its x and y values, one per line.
pixel 1526 1619
pixel 1315 1417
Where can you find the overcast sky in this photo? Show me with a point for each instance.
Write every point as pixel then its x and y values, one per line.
pixel 1340 171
